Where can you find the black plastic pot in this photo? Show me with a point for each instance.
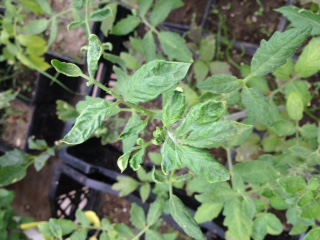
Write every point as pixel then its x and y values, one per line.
pixel 72 189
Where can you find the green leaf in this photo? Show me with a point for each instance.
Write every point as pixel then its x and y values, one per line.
pixel 292 185
pixel 153 235
pixel 130 61
pixel 301 18
pixel 284 72
pixel 300 87
pixel 11 174
pixel 134 129
pixel 216 134
pixel 132 126
pixel 125 185
pixel 162 9
pixel 100 14
pixel 150 47
pixel 313 234
pixel 258 106
pixel 75 24
pixel 114 59
pixel 66 226
pixel 44 4
pixel 6 97
pixel 239 225
pixel 137 159
pixel 174 46
pixel 126 25
pixel 68 69
pixel 295 106
pixel 278 203
pixel 154 78
pixel 95 50
pixel 309 131
pixel 89 121
pixel 53 31
pixel 81 217
pixel 174 109
pixel 308 62
pixel 266 223
pixel 78 4
pixel 207 49
pixel 66 112
pixel 41 160
pixel 35 27
pixel 170 159
pixel 222 83
pixel 201 115
pixel 201 70
pixel 79 235
pixel 144 6
pixel 207 212
pixel 55 229
pixel 218 67
pixel 284 128
pixel 248 206
pixel 305 199
pixel 274 53
pixel 137 216
pixel 312 211
pixel 37 144
pixel 258 171
pixel 202 164
pixel 14 158
pixel 155 211
pixel 144 191
pixel 184 218
pixel 123 161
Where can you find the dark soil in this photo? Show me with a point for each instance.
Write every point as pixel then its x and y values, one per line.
pixel 191 12
pixel 243 21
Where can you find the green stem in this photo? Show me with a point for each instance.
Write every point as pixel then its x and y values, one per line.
pixel 60 14
pixel 230 165
pixel 152 28
pixel 87 18
pixel 247 78
pixel 311 115
pixel 297 133
pixel 137 237
pixel 170 185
